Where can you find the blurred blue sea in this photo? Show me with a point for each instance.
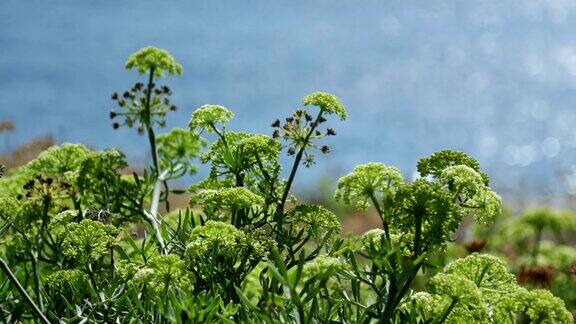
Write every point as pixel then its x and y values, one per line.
pixel 494 78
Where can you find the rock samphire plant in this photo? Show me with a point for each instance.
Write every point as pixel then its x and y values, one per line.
pixel 84 241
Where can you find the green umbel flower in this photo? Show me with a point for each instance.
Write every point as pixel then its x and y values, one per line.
pixel 485 206
pixel 378 248
pixel 462 179
pixel 231 199
pixel 317 219
pixel 456 287
pixel 88 240
pixel 163 273
pixel 208 117
pixel 432 206
pixel 463 293
pixel 329 103
pixel 226 243
pixel 152 58
pixel 69 284
pixel 261 145
pixel 543 307
pixel 323 264
pixel 490 274
pixel 366 182
pixel 178 147
pixel 436 163
pixel 220 236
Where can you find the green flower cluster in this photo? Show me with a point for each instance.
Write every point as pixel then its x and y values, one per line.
pixel 57 162
pixel 230 199
pixel 316 219
pixel 178 148
pixel 237 151
pixel 71 284
pixel 479 288
pixel 435 164
pixel 326 102
pixel 543 307
pixel 376 246
pixel 368 182
pixel 152 58
pixel 323 265
pixel 458 289
pixel 224 240
pixel 427 210
pixel 470 188
pixel 207 118
pixel 260 145
pixel 163 273
pixel 88 240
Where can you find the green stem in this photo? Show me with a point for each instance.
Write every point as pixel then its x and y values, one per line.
pixel 382 217
pixel 22 291
pixel 282 203
pixel 408 282
pixel 37 284
pixel 447 311
pixel 417 233
pixel 391 297
pixel 148 122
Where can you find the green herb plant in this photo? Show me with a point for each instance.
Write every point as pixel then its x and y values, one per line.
pixel 246 250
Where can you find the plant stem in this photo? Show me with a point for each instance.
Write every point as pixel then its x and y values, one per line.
pixel 281 205
pixel 22 291
pixel 382 217
pixel 148 122
pixel 391 297
pixel 447 311
pixel 417 233
pixel 36 271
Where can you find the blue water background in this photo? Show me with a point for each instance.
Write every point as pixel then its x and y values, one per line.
pixel 494 78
